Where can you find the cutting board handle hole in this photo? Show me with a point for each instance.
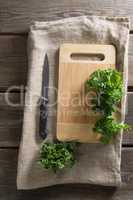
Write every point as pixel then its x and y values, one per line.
pixel 87 56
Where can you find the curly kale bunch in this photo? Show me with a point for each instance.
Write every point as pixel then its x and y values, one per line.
pixel 107 85
pixel 108 128
pixel 56 156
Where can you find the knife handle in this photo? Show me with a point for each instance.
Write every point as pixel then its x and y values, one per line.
pixel 43 132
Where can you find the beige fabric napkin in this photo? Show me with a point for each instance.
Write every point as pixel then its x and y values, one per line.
pixel 96 163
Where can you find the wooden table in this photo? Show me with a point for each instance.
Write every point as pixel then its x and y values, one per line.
pixel 15 18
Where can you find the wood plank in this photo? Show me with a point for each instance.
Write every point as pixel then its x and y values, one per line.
pixel 8 163
pixel 130 61
pixel 16 16
pixel 13 61
pixel 128 135
pixel 11 119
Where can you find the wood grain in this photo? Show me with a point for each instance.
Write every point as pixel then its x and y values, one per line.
pixel 8 165
pixel 130 61
pixel 17 15
pixel 13 61
pixel 11 119
pixel 128 136
pixel 73 115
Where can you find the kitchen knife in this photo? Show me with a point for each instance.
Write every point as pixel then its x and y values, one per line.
pixel 44 99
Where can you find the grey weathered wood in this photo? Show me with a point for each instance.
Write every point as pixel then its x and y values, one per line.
pixel 8 163
pixel 11 119
pixel 130 59
pixel 128 135
pixel 13 61
pixel 16 16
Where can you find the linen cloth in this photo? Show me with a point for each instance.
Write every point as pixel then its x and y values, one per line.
pixel 96 163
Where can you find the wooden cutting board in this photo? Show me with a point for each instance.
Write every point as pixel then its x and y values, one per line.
pixel 75 119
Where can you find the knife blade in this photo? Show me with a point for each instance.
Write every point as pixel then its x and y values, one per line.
pixel 44 99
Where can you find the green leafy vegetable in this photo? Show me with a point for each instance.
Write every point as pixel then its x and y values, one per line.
pixel 107 85
pixel 108 128
pixel 55 156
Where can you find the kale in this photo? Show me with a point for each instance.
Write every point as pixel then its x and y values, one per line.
pixel 56 156
pixel 108 128
pixel 107 86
